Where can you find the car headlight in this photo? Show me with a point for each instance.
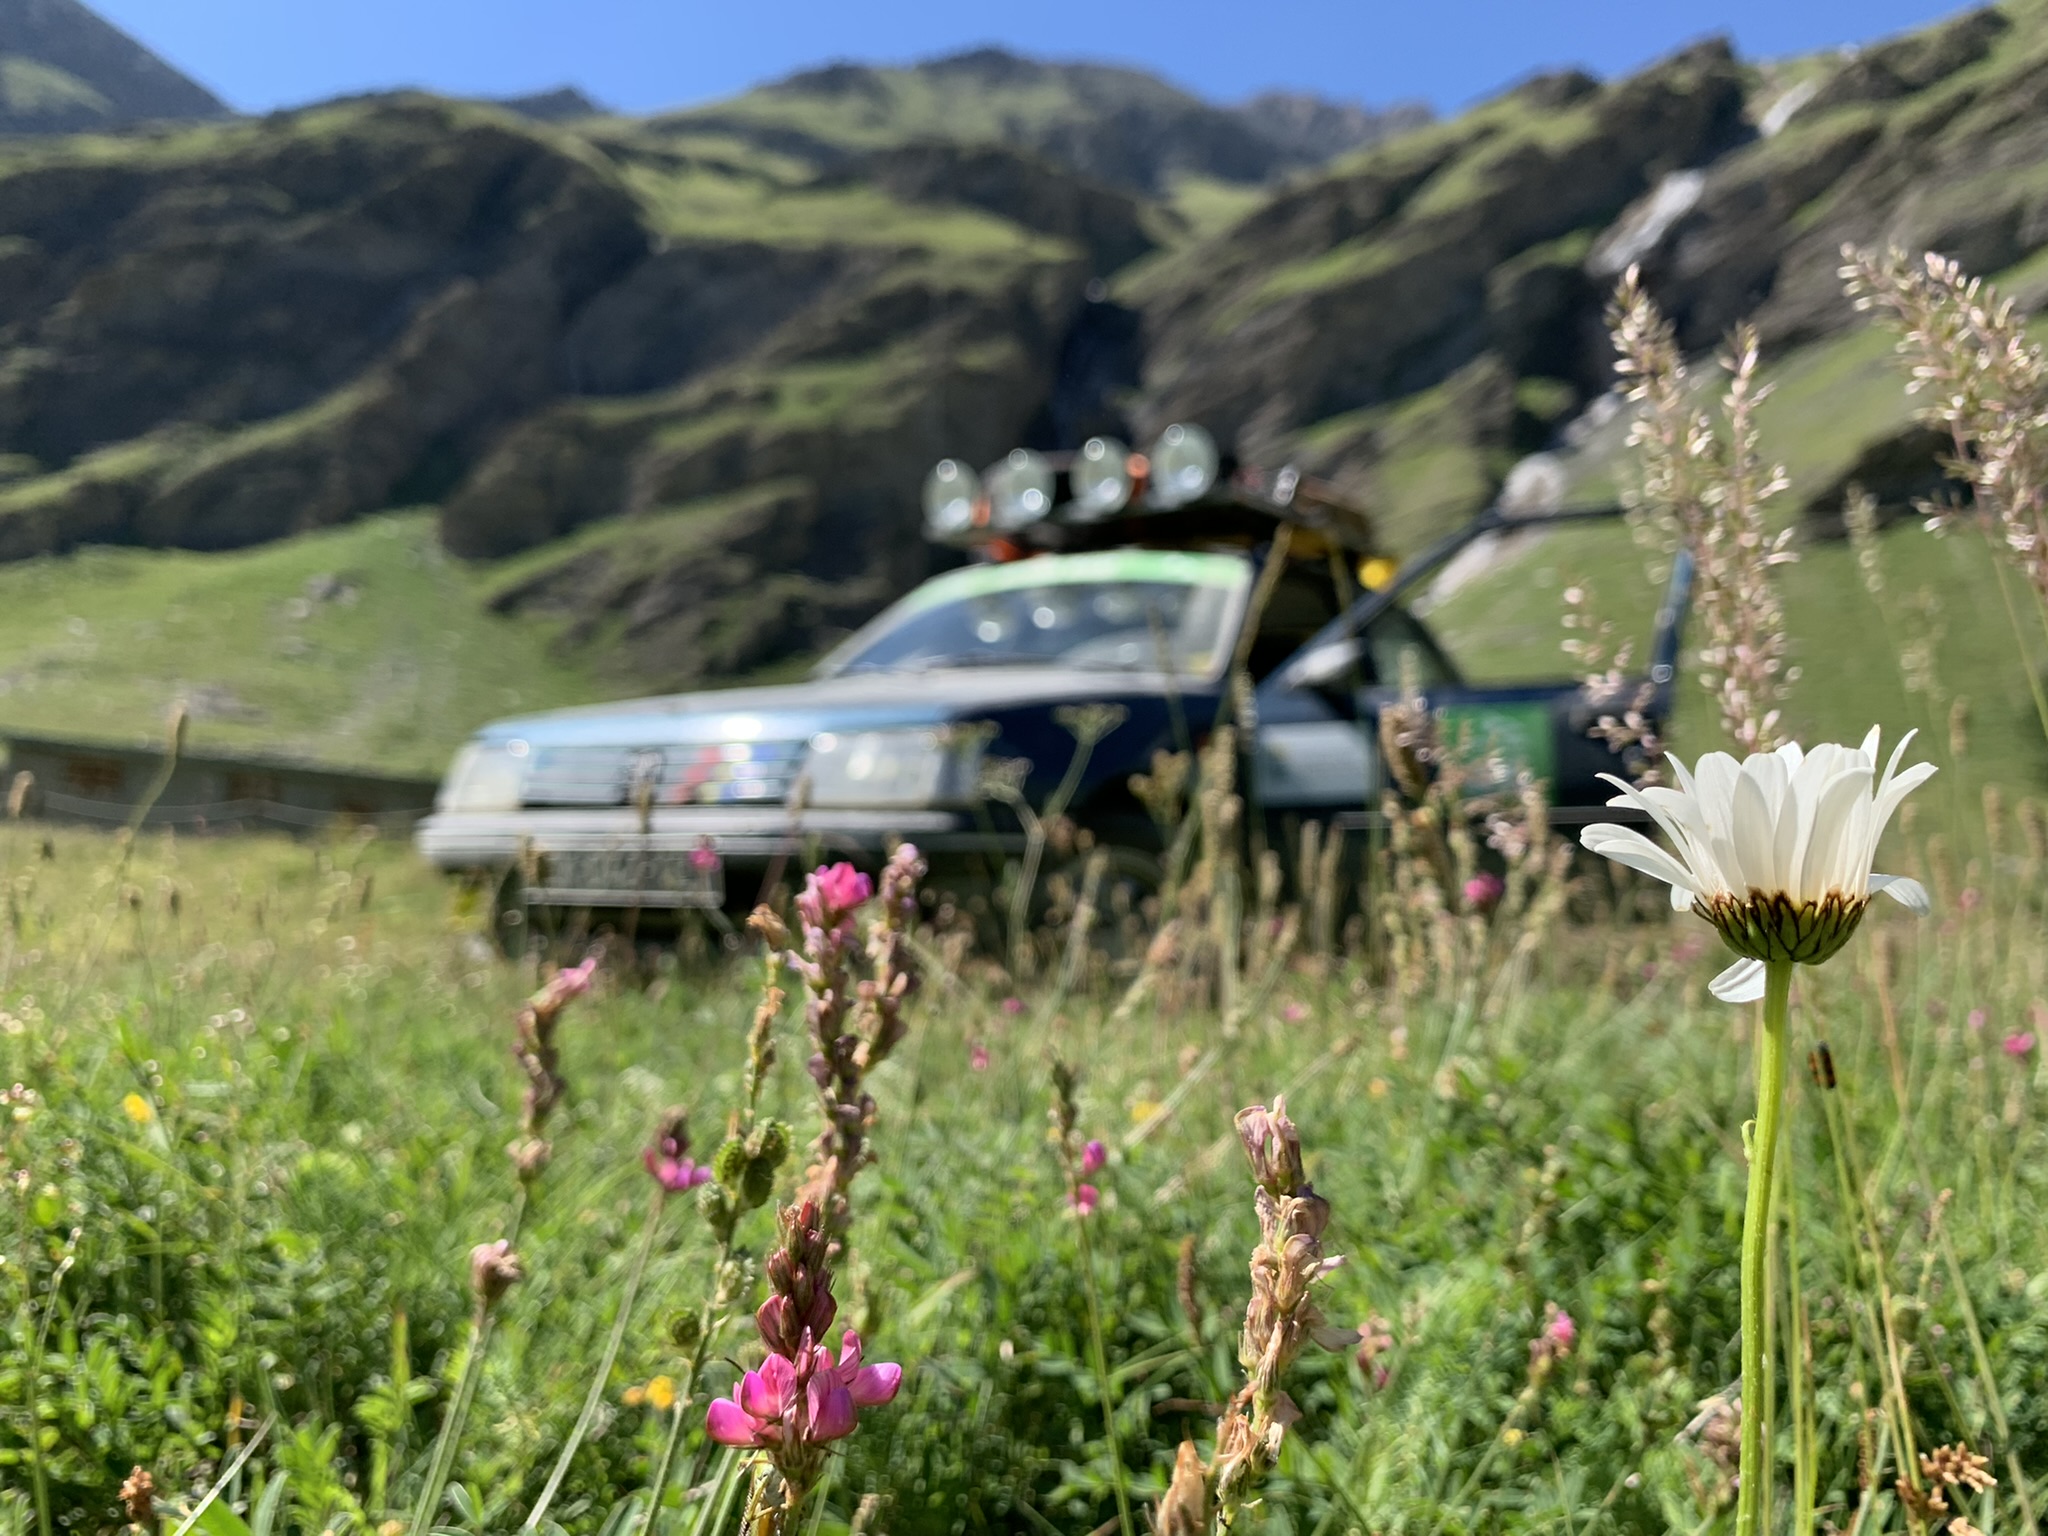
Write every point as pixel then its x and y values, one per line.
pixel 485 776
pixel 877 769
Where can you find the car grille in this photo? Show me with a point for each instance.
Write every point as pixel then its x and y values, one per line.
pixel 721 773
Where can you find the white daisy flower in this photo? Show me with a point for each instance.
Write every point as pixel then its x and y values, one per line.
pixel 1774 851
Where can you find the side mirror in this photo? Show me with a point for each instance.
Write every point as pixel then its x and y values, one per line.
pixel 1322 665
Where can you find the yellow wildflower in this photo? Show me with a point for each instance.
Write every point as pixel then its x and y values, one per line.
pixel 138 1109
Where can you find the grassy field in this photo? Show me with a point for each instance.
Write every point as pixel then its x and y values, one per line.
pixel 275 1093
pixel 366 645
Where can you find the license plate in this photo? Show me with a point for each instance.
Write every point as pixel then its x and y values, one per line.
pixel 626 877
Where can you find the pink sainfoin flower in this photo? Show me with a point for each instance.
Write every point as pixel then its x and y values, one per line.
pixel 1975 1018
pixel 1375 1339
pixel 1482 891
pixel 800 1399
pixel 570 982
pixel 1093 1157
pixel 1555 1341
pixel 539 1055
pixel 832 893
pixel 977 1056
pixel 1084 1199
pixel 795 1405
pixel 2020 1046
pixel 1294 1013
pixel 669 1158
pixel 1013 1006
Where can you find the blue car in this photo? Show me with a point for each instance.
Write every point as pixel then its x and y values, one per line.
pixel 1140 581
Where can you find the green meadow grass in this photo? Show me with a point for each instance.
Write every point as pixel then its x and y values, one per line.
pixel 390 671
pixel 277 1091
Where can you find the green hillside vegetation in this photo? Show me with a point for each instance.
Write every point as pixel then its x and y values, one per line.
pixel 364 646
pixel 1946 596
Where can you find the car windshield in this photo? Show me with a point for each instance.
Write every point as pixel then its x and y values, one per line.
pixel 1134 610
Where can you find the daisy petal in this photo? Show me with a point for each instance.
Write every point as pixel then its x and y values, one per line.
pixel 1742 982
pixel 1627 846
pixel 1910 894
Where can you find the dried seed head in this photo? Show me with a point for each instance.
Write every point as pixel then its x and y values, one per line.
pixel 1274 1147
pixel 1921 1505
pixel 493 1270
pixel 1958 1466
pixel 1184 1508
pixel 138 1495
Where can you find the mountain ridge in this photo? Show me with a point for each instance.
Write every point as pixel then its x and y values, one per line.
pixel 678 379
pixel 65 69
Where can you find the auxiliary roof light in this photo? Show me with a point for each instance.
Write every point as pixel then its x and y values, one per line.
pixel 1101 478
pixel 951 493
pixel 1020 489
pixel 1184 464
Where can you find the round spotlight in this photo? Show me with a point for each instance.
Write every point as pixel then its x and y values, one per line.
pixel 1101 479
pixel 1020 489
pixel 1184 463
pixel 951 491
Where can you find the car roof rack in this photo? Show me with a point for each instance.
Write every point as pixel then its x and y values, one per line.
pixel 1181 493
pixel 1246 508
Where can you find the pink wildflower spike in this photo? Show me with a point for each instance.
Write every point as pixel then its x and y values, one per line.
pixel 1093 1157
pixel 1013 1006
pixel 1294 1013
pixel 1562 1332
pixel 1483 890
pixel 1084 1200
pixel 669 1158
pixel 675 1174
pixel 704 856
pixel 571 981
pixel 977 1057
pixel 2020 1045
pixel 839 887
pixel 1976 1018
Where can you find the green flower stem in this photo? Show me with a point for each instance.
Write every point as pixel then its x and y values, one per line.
pixel 598 1381
pixel 1756 1222
pixel 709 1322
pixel 451 1426
pixel 1102 1382
pixel 452 1422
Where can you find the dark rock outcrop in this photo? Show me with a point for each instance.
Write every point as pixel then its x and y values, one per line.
pixel 1373 282
pixel 1931 142
pixel 1111 226
pixel 305 324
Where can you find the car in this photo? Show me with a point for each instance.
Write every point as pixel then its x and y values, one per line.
pixel 1144 582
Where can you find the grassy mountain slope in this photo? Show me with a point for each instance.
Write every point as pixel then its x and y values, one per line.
pixel 366 645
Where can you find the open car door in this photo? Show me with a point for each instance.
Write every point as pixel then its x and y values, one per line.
pixel 1317 756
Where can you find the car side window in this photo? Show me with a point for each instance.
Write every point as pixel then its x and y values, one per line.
pixel 1397 647
pixel 1304 600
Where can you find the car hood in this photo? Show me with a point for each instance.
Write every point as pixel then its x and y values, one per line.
pixel 854 701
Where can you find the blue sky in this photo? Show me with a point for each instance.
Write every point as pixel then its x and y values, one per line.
pixel 642 55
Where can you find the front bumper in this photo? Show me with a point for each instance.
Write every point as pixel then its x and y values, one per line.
pixel 496 840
